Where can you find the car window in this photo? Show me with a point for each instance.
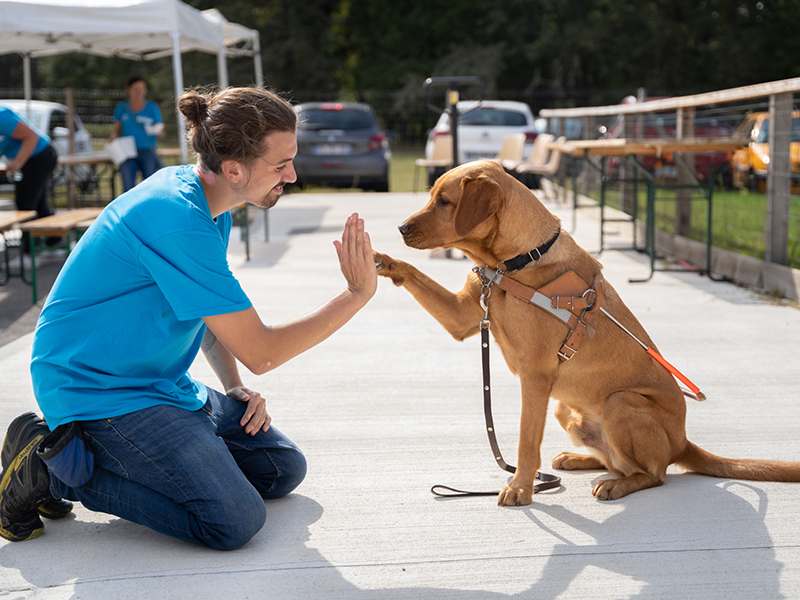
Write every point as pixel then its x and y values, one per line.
pixel 57 119
pixel 763 134
pixel 335 119
pixel 746 129
pixel 493 117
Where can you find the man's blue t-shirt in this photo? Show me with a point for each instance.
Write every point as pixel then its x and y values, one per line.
pixel 123 322
pixel 134 123
pixel 9 147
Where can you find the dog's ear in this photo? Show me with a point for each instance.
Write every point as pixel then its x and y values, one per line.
pixel 480 199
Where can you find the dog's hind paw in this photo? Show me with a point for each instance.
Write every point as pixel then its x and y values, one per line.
pixel 569 461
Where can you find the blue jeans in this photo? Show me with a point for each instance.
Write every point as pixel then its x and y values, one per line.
pixel 146 162
pixel 196 476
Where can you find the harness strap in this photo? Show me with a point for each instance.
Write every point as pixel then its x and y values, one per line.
pixel 571 310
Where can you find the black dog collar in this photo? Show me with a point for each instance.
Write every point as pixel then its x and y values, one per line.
pixel 521 260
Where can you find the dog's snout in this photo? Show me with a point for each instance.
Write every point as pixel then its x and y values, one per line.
pixel 405 228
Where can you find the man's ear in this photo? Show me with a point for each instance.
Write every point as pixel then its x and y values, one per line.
pixel 480 199
pixel 232 170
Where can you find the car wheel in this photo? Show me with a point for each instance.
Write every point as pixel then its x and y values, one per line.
pixel 379 185
pixel 752 182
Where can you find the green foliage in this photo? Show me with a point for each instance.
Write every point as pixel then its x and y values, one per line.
pixel 560 45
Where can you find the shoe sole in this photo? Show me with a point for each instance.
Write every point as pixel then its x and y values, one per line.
pixel 16 538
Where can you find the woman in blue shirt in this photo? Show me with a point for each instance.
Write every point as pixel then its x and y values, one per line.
pixel 141 119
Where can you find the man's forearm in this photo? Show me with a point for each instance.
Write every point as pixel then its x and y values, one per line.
pixel 221 360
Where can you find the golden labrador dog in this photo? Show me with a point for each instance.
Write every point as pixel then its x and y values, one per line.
pixel 611 396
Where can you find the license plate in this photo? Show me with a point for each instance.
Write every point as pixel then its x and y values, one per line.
pixel 331 149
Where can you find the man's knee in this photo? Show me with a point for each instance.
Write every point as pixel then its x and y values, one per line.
pixel 291 467
pixel 246 518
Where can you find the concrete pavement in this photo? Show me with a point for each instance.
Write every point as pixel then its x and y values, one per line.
pixel 391 405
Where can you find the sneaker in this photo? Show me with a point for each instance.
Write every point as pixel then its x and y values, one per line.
pixel 25 482
pixel 51 508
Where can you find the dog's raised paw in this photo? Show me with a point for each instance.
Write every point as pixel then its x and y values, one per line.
pixel 388 267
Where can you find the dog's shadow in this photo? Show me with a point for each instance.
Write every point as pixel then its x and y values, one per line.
pixel 695 533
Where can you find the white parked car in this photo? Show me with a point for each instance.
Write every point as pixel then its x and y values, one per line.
pixel 51 118
pixel 481 130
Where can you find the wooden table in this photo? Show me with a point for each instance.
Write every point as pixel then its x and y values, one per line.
pixel 648 147
pixel 632 150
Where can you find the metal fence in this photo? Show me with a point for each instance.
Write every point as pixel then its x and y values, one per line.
pixel 756 209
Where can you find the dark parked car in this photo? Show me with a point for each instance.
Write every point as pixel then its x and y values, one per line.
pixel 341 144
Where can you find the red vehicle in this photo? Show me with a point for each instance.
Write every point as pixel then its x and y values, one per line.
pixel 663 125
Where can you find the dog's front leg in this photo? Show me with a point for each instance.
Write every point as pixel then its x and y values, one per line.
pixel 535 397
pixel 459 313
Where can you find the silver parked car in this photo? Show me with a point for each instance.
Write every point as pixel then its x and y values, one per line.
pixel 341 144
pixel 482 127
pixel 51 119
pixel 481 130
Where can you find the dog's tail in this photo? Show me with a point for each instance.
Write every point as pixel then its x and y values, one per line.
pixel 697 460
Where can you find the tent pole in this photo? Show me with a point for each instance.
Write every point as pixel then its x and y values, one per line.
pixel 26 74
pixel 257 64
pixel 222 67
pixel 177 69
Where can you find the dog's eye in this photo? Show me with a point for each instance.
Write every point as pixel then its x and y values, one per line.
pixel 442 202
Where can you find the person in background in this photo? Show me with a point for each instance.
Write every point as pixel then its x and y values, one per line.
pixel 141 119
pixel 30 161
pixel 145 289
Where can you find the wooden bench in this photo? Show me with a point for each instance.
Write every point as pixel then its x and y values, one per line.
pixel 64 225
pixel 8 219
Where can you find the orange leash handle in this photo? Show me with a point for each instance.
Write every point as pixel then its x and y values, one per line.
pixel 700 395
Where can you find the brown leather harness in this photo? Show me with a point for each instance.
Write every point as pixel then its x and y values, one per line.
pixel 568 298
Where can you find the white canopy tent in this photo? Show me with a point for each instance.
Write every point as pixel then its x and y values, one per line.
pixel 133 29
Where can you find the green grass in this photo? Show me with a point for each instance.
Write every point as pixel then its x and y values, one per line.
pixel 402 171
pixel 739 219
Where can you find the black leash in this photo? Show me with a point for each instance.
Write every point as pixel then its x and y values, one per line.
pixel 546 480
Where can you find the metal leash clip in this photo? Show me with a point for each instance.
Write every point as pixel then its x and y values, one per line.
pixel 486 291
